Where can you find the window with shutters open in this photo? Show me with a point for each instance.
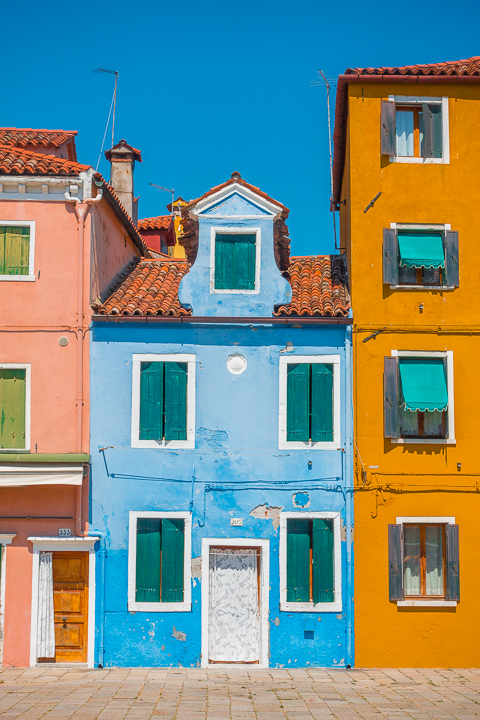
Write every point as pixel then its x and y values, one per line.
pixel 235 260
pixel 14 407
pixel 415 129
pixel 16 250
pixel 159 561
pixel 423 561
pixel 310 562
pixel 163 400
pixel 423 256
pixel 309 402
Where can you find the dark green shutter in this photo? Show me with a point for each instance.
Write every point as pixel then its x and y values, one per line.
pixel 390 256
pixel 12 408
pixel 14 250
pixel 148 560
pixel 452 562
pixel 298 560
pixel 173 543
pixel 322 403
pixel 390 397
pixel 451 258
pixel 235 257
pixel 298 402
pixel 151 400
pixel 175 401
pixel 395 563
pixel 388 128
pixel 322 561
pixel 224 261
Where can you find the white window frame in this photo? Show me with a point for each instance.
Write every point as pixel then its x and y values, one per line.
pixel 5 539
pixel 258 255
pixel 415 100
pixel 154 607
pixel 28 394
pixel 283 444
pixel 422 227
pixel 137 359
pixel 31 256
pixel 450 440
pixel 336 605
pixel 425 521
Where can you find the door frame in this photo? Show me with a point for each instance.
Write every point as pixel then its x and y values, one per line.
pixel 55 544
pixel 264 546
pixel 5 539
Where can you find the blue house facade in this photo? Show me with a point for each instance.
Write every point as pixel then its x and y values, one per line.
pixel 222 413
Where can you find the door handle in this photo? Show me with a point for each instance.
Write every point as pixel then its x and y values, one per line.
pixel 64 620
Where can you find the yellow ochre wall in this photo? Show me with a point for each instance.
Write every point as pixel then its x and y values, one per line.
pixel 413 480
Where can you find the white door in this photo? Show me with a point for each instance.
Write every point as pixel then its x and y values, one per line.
pixel 234 613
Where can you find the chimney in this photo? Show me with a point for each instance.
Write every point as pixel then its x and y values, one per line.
pixel 122 158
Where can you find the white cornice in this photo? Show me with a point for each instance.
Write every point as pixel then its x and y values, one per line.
pixel 236 188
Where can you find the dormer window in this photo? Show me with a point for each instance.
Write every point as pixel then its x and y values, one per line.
pixel 235 262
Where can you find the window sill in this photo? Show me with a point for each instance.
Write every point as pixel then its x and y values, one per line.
pixel 17 278
pixel 156 607
pixel 422 287
pixel 309 446
pixel 311 607
pixel 426 603
pixel 418 160
pixel 234 292
pixel 423 441
pixel 171 445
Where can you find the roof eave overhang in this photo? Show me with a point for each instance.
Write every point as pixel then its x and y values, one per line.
pixel 129 226
pixel 210 320
pixel 341 113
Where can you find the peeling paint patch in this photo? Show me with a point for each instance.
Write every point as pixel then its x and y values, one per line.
pixel 276 621
pixel 197 567
pixel 179 635
pixel 301 499
pixel 213 438
pixel 263 512
pixel 343 531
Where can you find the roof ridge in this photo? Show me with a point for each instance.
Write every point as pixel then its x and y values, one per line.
pixel 39 156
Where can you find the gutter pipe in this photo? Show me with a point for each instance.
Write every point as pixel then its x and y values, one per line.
pixel 348 483
pixel 101 593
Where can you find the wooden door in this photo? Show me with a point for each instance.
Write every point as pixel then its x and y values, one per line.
pixel 70 603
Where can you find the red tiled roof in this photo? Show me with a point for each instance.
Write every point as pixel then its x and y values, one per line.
pixel 458 71
pixel 471 66
pixel 148 287
pixel 319 287
pixel 162 222
pixel 21 137
pixel 14 161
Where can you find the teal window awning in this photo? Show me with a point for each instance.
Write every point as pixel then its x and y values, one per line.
pixel 422 249
pixel 424 385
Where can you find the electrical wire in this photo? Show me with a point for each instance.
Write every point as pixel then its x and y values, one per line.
pixel 106 128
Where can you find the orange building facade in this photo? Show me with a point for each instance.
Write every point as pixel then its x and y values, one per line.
pixel 406 179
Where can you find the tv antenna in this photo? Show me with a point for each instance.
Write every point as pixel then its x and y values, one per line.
pixel 113 106
pixel 170 190
pixel 327 82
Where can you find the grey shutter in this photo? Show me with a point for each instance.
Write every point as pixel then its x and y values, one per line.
pixel 388 128
pixel 452 562
pixel 390 400
pixel 390 257
pixel 451 258
pixel 427 131
pixel 395 563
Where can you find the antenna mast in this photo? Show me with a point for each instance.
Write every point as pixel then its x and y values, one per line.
pixel 113 105
pixel 170 190
pixel 327 85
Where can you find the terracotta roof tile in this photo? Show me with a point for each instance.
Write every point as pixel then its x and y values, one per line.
pixel 148 287
pixel 471 66
pixel 21 137
pixel 123 144
pixel 162 222
pixel 319 287
pixel 14 161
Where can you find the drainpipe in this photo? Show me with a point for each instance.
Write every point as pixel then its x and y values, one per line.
pixel 81 210
pixel 101 594
pixel 348 480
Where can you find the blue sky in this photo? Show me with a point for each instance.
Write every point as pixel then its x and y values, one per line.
pixel 209 87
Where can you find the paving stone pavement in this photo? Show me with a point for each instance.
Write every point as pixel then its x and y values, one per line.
pixel 192 694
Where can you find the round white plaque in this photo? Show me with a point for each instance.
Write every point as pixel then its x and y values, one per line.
pixel 236 364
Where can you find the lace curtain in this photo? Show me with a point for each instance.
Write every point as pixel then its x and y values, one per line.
pixel 234 618
pixel 45 622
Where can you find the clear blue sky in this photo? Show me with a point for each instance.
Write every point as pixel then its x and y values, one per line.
pixel 209 87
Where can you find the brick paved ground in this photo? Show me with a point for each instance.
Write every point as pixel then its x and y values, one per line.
pixel 181 694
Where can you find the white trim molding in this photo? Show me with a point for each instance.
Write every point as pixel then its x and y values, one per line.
pixel 137 359
pixel 413 100
pixel 264 547
pixel 28 400
pixel 31 256
pixel 232 230
pixel 425 520
pixel 235 188
pixel 155 607
pixel 336 605
pixel 55 544
pixel 450 440
pixel 283 443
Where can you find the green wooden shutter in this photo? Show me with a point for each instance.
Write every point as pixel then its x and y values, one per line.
pixel 322 561
pixel 173 544
pixel 175 401
pixel 224 261
pixel 16 250
pixel 2 249
pixel 148 560
pixel 322 403
pixel 12 408
pixel 298 402
pixel 298 560
pixel 151 400
pixel 244 261
pixel 395 563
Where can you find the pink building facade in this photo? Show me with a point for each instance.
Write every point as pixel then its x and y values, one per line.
pixel 64 238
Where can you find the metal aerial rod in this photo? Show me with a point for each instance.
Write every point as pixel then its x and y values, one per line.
pixel 170 190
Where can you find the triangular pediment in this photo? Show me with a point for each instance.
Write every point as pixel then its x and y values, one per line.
pixel 237 200
pixel 235 205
